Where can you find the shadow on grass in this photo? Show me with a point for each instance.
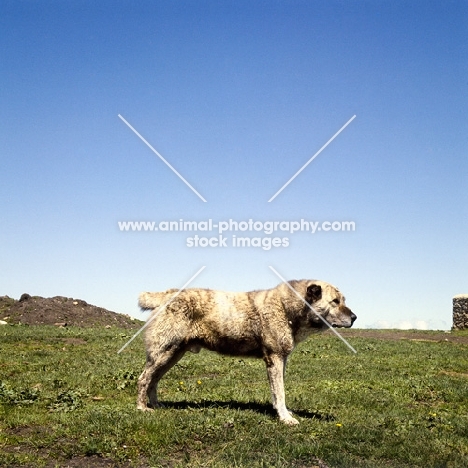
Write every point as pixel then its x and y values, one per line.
pixel 262 408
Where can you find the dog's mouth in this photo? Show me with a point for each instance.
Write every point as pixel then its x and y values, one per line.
pixel 336 325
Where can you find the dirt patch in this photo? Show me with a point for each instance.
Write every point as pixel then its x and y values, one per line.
pixel 413 335
pixel 60 311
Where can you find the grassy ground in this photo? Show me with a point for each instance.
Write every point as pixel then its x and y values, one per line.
pixel 68 399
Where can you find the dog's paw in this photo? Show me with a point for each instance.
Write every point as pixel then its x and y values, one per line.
pixel 290 421
pixel 145 408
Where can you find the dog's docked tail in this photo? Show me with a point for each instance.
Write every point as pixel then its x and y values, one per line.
pixel 152 300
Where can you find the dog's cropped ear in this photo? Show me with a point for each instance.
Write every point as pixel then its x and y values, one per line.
pixel 314 293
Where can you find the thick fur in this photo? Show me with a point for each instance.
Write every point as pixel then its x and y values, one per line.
pixel 265 324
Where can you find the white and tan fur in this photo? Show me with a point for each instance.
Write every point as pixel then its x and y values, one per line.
pixel 265 324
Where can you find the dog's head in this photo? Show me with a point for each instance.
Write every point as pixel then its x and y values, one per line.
pixel 328 304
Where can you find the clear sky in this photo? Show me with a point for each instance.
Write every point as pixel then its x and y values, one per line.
pixel 237 96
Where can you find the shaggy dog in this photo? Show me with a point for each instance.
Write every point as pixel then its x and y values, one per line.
pixel 265 324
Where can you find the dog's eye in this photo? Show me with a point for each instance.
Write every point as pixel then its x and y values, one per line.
pixel 336 301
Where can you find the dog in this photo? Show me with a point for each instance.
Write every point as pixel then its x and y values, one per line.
pixel 264 324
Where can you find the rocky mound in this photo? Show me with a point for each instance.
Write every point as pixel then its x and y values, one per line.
pixel 60 311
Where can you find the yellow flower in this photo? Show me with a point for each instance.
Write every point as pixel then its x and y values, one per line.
pixel 199 382
pixel 339 424
pixel 181 383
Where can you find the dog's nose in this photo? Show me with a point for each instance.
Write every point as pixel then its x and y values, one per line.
pixel 353 317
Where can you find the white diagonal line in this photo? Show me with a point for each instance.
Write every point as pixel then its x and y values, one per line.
pixel 162 159
pixel 312 309
pixel 312 158
pixel 160 308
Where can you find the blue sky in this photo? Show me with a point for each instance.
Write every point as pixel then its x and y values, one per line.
pixel 237 96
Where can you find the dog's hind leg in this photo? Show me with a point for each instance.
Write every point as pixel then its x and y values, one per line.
pixel 165 364
pixel 156 367
pixel 164 347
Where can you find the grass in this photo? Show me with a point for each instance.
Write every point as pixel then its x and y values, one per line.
pixel 65 394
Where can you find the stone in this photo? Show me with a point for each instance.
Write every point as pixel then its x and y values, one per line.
pixel 460 312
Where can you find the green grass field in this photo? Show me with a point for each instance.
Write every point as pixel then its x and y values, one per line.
pixel 68 399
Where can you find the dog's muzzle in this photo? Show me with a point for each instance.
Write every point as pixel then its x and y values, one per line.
pixel 352 318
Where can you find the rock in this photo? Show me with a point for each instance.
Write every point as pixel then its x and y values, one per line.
pixel 2 322
pixel 460 312
pixel 24 297
pixel 61 324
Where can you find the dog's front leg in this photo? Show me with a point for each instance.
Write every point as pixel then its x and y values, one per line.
pixel 275 369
